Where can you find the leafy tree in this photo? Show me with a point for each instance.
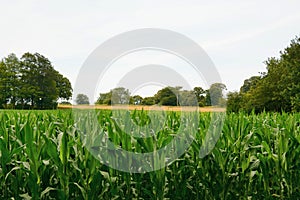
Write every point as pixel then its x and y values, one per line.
pixel 65 103
pixel 207 98
pixel 234 101
pixel 31 82
pixel 104 98
pixel 117 95
pixel 188 98
pixel 148 101
pixel 63 87
pixel 215 93
pixel 120 95
pixel 200 94
pixel 295 101
pixel 136 100
pixel 42 85
pixel 169 100
pixel 277 89
pixel 250 83
pixel 9 79
pixel 167 96
pixel 290 79
pixel 82 99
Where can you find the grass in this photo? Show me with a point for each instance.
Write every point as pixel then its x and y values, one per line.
pixel 42 156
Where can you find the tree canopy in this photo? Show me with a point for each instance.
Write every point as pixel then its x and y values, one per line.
pixel 167 96
pixel 277 90
pixel 31 82
pixel 82 99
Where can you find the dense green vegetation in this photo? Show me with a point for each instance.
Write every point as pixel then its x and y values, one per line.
pixel 168 96
pixel 82 99
pixel 278 89
pixel 43 156
pixel 31 82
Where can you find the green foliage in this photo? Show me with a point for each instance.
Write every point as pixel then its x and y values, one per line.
pixel 188 98
pixel 256 157
pixel 167 96
pixel 31 82
pixel 136 100
pixel 214 96
pixel 234 102
pixel 82 99
pixel 120 95
pixel 104 98
pixel 148 101
pixel 65 103
pixel 278 89
pixel 250 84
pixel 9 80
pixel 199 92
pixel 117 95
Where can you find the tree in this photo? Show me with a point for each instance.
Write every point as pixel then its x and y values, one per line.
pixel 64 87
pixel 250 83
pixel 9 79
pixel 41 84
pixel 104 98
pixel 169 101
pixel 136 100
pixel 117 95
pixel 82 99
pixel 199 92
pixel 120 95
pixel 167 96
pixel 188 98
pixel 215 93
pixel 148 101
pixel 277 89
pixel 234 101
pixel 31 82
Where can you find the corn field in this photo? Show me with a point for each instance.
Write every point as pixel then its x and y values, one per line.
pixel 42 156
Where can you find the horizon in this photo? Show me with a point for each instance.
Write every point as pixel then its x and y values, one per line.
pixel 237 36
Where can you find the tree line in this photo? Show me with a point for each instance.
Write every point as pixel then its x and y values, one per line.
pixel 31 82
pixel 168 96
pixel 276 90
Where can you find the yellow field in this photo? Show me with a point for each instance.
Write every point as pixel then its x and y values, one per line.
pixel 140 107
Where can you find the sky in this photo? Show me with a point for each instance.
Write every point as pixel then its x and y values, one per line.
pixel 237 35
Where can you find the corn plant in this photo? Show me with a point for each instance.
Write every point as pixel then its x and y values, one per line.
pixel 44 155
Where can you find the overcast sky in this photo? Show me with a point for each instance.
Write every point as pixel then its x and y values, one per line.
pixel 237 35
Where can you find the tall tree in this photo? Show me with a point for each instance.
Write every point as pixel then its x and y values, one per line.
pixel 31 81
pixel 188 98
pixel 39 81
pixel 148 101
pixel 200 95
pixel 216 93
pixel 117 95
pixel 104 98
pixel 234 101
pixel 250 83
pixel 120 95
pixel 278 89
pixel 82 99
pixel 63 86
pixel 167 96
pixel 136 100
pixel 9 79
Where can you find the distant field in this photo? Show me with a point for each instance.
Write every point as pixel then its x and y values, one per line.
pixel 140 107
